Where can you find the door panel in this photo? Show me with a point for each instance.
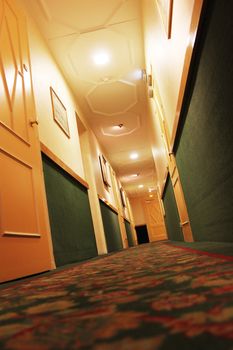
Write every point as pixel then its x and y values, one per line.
pixel 172 218
pixel 25 242
pixel 18 201
pixel 154 219
pixel 8 60
pixel 180 200
pixel 177 186
pixel 5 111
pixel 18 108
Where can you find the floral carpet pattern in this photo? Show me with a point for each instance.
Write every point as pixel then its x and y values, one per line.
pixel 154 296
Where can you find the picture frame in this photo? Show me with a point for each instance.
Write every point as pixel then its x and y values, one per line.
pixel 123 198
pixel 104 170
pixel 165 10
pixel 59 112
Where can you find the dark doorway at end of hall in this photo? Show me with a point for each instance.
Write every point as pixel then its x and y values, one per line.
pixel 142 234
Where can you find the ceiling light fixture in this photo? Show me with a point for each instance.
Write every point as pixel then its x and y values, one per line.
pixel 105 79
pixel 135 175
pixel 151 189
pixel 134 155
pixel 101 58
pixel 117 127
pixel 140 186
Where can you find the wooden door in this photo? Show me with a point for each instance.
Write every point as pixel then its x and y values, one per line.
pixel 154 219
pixel 180 200
pixel 25 241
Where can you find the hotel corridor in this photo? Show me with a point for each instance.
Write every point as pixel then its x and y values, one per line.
pixel 116 174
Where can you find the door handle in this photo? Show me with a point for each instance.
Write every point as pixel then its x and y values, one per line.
pixel 184 223
pixel 32 122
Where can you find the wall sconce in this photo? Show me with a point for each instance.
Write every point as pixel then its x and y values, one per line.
pixel 150 92
pixel 149 79
pixel 144 76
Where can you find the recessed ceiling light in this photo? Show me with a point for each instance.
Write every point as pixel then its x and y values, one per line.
pixel 117 128
pixel 140 186
pixel 105 79
pixel 151 195
pixel 134 155
pixel 101 58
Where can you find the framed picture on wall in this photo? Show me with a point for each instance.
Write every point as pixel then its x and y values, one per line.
pixel 123 198
pixel 165 11
pixel 108 171
pixel 104 170
pixel 59 112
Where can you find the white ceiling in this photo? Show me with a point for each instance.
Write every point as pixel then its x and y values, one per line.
pixel 111 94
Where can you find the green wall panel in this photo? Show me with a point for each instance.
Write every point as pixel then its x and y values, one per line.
pixel 172 219
pixel 129 233
pixel 204 151
pixel 70 217
pixel 111 228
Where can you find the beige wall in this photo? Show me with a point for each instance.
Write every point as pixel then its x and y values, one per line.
pixel 85 137
pixel 125 211
pixel 45 73
pixel 102 190
pixel 168 61
pixel 166 56
pixel 158 145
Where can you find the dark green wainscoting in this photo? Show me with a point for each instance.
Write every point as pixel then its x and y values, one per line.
pixel 129 233
pixel 111 228
pixel 204 148
pixel 70 217
pixel 172 219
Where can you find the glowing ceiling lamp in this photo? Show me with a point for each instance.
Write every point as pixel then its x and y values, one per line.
pixel 133 155
pixel 101 58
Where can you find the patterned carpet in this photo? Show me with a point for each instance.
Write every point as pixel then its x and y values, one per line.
pixel 154 296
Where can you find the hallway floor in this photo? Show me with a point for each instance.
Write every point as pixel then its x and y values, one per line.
pixel 153 296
